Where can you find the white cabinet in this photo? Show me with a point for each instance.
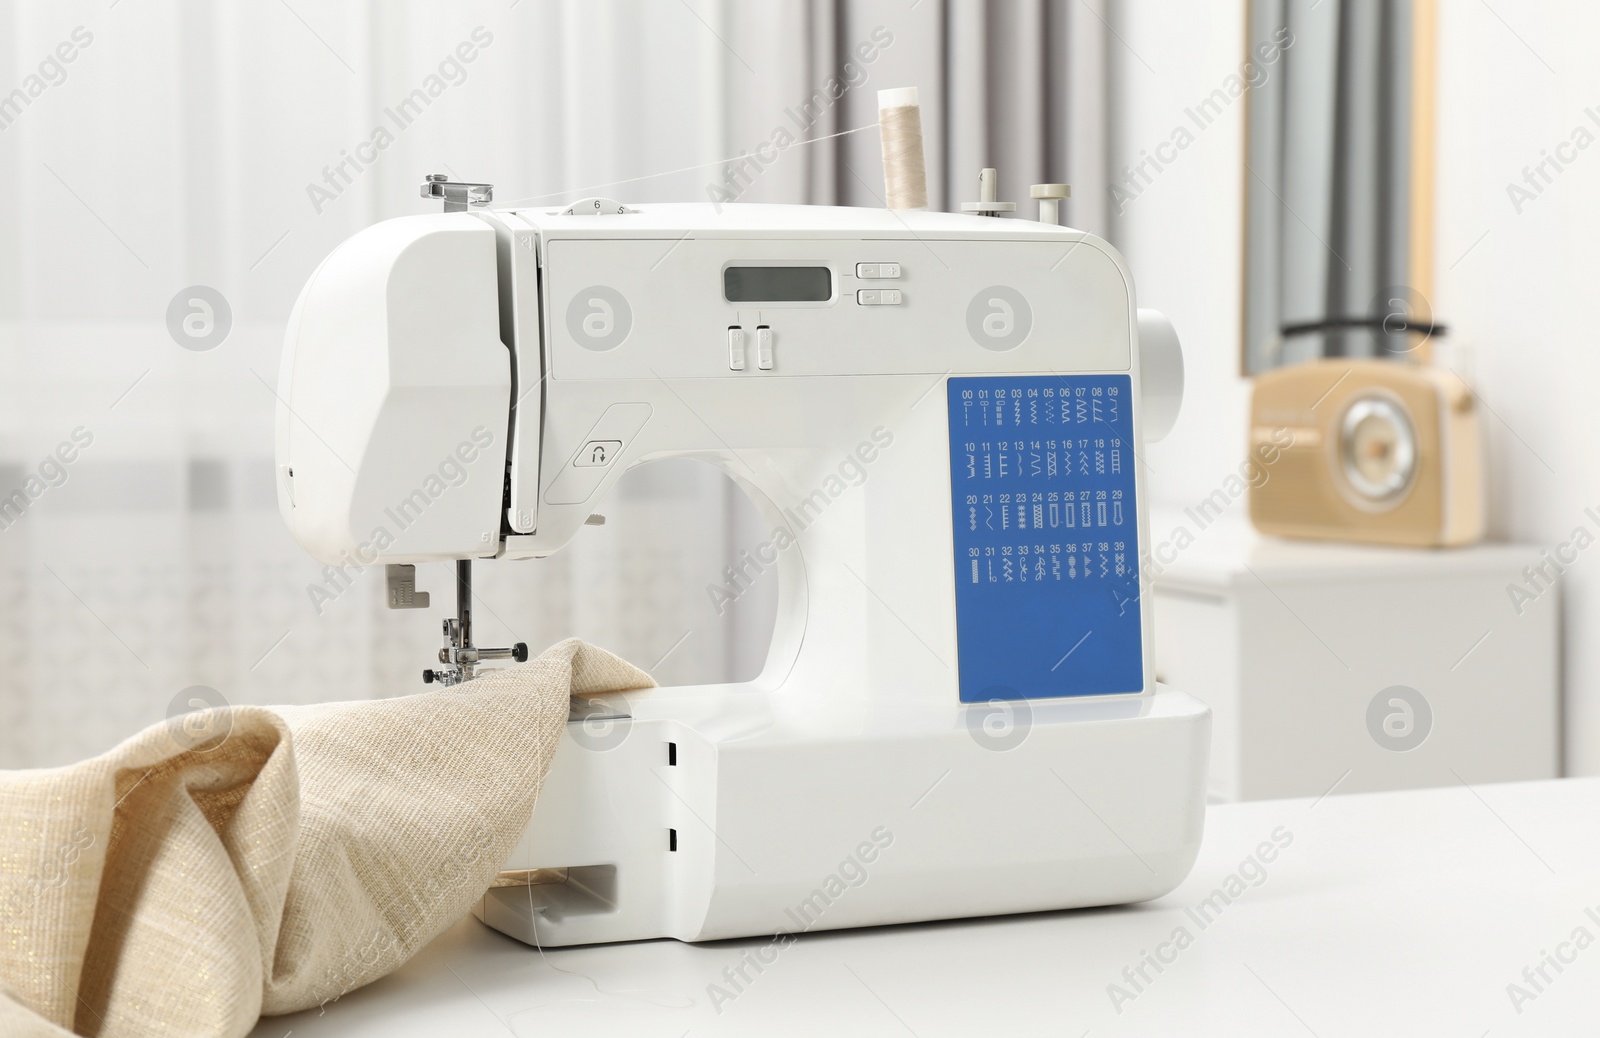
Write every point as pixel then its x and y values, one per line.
pixel 1357 668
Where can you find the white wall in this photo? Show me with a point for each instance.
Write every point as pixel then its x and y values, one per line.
pixel 1516 289
pixel 1181 233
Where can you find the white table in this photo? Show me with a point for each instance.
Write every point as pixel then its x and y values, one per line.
pixel 1404 913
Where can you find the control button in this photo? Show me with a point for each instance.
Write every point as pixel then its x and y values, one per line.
pixel 872 271
pixel 736 349
pixel 578 480
pixel 764 348
pixel 878 296
pixel 597 453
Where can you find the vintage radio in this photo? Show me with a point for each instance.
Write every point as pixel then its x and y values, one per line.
pixel 1378 451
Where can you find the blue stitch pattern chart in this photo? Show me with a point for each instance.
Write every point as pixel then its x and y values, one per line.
pixel 1046 536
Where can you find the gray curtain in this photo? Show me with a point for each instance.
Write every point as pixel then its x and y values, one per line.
pixel 1328 183
pixel 1019 85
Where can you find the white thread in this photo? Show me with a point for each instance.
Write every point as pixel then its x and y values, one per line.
pixel 905 178
pixel 580 191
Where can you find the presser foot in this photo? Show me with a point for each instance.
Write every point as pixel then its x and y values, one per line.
pixel 461 658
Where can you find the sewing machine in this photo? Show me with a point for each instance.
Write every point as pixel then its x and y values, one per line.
pixel 939 416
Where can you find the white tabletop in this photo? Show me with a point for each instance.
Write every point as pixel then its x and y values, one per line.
pixel 1192 553
pixel 1403 913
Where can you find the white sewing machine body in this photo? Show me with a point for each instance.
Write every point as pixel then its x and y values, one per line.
pixel 957 715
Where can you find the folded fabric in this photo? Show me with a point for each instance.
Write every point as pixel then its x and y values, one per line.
pixel 253 860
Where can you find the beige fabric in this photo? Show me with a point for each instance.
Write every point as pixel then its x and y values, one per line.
pixel 175 888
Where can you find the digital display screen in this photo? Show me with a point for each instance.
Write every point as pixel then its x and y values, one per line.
pixel 777 284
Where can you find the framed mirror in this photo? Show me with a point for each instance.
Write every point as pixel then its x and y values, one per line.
pixel 1338 182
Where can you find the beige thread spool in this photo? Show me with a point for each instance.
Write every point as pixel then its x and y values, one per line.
pixel 905 178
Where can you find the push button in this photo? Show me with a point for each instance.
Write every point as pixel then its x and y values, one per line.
pixel 764 348
pixel 878 296
pixel 736 349
pixel 875 271
pixel 590 465
pixel 597 453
